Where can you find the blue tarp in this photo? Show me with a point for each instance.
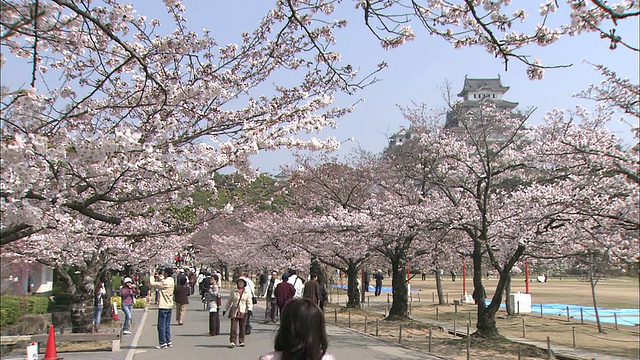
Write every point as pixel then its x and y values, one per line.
pixel 623 316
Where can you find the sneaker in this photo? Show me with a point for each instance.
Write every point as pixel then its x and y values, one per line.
pixel 232 345
pixel 169 345
pixel 161 346
pixel 241 344
pixel 127 332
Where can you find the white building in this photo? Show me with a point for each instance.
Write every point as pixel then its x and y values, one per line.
pixel 474 93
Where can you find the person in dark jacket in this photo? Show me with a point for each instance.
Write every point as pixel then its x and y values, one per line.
pixel 312 290
pixel 181 299
pixel 378 276
pixel 284 292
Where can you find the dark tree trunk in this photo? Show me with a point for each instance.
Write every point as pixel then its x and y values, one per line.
pixel 80 286
pixel 400 306
pixel 486 325
pixel 441 299
pixel 593 283
pixel 107 310
pixel 352 285
pixel 511 309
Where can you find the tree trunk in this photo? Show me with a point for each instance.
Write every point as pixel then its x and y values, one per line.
pixel 441 299
pixel 400 306
pixel 81 315
pixel 80 286
pixel 486 326
pixel 352 285
pixel 107 310
pixel 593 296
pixel 511 310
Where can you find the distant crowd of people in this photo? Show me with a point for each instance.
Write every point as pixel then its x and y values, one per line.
pixel 172 287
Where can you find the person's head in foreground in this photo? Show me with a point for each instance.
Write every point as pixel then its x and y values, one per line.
pixel 302 334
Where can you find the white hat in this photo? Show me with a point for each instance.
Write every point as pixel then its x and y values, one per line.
pixel 126 280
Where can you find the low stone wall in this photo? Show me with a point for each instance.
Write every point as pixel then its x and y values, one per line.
pixel 28 324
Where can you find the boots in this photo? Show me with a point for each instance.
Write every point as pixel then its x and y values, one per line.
pixel 95 328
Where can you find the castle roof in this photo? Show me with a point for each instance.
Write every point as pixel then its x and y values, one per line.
pixel 500 103
pixel 471 84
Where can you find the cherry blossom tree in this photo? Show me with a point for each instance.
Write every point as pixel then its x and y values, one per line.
pixel 517 191
pixel 121 118
pixel 330 226
pixel 502 28
pixel 118 118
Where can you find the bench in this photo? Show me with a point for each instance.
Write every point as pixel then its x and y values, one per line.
pixel 71 337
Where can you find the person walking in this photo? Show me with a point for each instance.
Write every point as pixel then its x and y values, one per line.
pixel 262 282
pixel 302 334
pixel 192 281
pixel 181 299
pixel 379 277
pixel 212 298
pixel 297 282
pixel 128 293
pixel 98 305
pixel 366 279
pixel 284 292
pixel 312 290
pixel 165 285
pixel 239 306
pixel 270 296
pixel 251 289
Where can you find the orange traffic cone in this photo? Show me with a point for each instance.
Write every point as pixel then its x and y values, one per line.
pixel 51 353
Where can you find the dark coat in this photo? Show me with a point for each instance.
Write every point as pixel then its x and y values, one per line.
pixel 379 278
pixel 312 291
pixel 182 294
pixel 283 293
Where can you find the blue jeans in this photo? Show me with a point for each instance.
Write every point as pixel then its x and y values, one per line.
pixel 164 328
pixel 97 313
pixel 127 316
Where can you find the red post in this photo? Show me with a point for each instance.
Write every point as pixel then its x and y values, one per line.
pixel 526 276
pixel 464 277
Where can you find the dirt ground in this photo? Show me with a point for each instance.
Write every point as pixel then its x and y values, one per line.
pixel 611 293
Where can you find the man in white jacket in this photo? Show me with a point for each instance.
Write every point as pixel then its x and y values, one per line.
pixel 297 283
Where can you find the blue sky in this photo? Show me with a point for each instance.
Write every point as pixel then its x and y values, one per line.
pixel 417 70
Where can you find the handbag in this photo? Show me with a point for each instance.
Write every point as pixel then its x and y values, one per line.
pixel 239 315
pixel 254 300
